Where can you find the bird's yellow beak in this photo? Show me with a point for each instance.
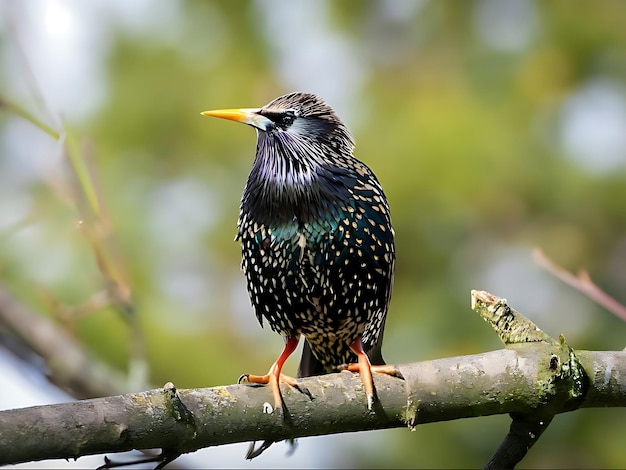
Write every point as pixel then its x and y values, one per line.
pixel 249 116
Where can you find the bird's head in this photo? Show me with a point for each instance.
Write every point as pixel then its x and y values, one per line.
pixel 296 120
pixel 303 157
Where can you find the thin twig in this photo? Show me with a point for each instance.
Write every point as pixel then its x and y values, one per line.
pixel 582 283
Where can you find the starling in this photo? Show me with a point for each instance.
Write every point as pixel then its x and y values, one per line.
pixel 317 244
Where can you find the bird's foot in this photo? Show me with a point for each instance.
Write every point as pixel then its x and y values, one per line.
pixel 379 369
pixel 273 376
pixel 382 369
pixel 274 381
pixel 365 369
pixel 270 378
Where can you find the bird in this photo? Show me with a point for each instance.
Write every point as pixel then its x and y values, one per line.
pixel 317 243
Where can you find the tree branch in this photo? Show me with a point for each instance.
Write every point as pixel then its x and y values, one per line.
pixel 503 381
pixel 582 283
pixel 532 380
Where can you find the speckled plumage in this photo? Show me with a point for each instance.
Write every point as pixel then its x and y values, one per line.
pixel 316 236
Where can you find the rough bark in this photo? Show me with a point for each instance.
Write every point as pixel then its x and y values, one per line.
pixel 503 381
pixel 534 378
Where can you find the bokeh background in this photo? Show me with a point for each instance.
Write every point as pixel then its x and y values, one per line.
pixel 495 126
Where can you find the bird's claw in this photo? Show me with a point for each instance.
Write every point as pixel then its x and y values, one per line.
pixel 162 459
pixel 391 370
pixel 274 380
pixel 370 402
pixel 397 373
pixel 254 451
pixel 243 378
pixel 302 389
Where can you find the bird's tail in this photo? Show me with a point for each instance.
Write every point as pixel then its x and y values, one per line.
pixel 310 365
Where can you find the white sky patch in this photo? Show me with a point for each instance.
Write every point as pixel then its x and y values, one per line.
pixel 63 54
pixel 593 126
pixel 59 21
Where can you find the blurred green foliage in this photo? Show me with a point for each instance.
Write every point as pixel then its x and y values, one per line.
pixel 466 138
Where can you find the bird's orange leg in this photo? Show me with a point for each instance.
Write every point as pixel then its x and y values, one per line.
pixel 274 377
pixel 365 369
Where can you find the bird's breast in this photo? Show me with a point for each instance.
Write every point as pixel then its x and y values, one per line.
pixel 311 268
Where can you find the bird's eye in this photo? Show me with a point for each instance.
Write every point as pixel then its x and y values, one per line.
pixel 286 119
pixel 282 119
